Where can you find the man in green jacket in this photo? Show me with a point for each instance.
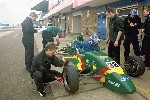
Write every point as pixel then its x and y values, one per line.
pixel 115 35
pixel 51 32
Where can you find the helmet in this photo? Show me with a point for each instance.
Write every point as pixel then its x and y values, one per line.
pixel 133 12
pixel 94 39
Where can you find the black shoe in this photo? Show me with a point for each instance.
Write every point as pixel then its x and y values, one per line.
pixel 42 93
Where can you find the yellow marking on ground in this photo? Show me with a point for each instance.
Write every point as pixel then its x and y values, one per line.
pixel 148 90
pixel 118 70
pixel 145 91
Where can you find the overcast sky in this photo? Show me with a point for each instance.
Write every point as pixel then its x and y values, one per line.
pixel 13 11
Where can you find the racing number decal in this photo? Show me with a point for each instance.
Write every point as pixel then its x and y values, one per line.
pixel 114 67
pixel 112 64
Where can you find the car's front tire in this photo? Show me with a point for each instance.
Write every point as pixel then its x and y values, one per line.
pixel 71 79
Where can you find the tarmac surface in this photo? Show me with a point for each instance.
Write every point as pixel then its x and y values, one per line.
pixel 16 83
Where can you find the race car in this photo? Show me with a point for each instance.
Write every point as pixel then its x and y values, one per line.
pixel 96 64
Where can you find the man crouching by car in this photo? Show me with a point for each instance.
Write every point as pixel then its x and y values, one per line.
pixel 41 67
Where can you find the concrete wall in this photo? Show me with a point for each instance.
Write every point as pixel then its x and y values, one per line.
pixel 89 20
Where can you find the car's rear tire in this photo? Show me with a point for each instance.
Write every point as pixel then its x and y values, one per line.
pixel 71 79
pixel 134 66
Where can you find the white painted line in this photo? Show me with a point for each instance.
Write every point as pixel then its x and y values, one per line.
pixel 15 35
pixel 5 33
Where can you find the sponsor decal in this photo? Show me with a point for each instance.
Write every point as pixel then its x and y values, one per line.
pixel 125 78
pixel 114 83
pixel 103 57
pixel 87 60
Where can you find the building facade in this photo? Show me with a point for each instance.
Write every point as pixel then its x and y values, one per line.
pixel 77 16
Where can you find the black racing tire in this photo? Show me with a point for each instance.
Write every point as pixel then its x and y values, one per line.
pixel 134 66
pixel 71 79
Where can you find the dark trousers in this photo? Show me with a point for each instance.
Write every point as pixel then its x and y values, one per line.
pixel 146 50
pixel 29 55
pixel 41 78
pixel 114 52
pixel 135 43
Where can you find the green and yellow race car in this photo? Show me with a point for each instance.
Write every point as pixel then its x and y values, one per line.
pixel 80 63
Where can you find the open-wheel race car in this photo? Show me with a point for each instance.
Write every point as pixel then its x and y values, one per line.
pixel 79 63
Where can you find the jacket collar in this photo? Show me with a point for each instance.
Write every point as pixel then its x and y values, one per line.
pixel 113 18
pixel 45 56
pixel 28 18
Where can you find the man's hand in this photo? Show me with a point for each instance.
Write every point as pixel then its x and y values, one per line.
pixel 66 63
pixel 116 43
pixel 131 24
pixel 142 30
pixel 58 43
pixel 107 41
pixel 57 40
pixel 58 78
pixel 117 39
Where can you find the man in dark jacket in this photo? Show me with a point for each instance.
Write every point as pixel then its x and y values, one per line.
pixel 115 35
pixel 41 67
pixel 146 41
pixel 28 38
pixel 131 26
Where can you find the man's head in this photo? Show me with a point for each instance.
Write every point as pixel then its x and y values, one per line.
pixel 110 13
pixel 33 16
pixel 50 49
pixel 50 24
pixel 146 11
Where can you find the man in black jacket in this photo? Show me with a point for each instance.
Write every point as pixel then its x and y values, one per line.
pixel 146 41
pixel 132 24
pixel 28 38
pixel 41 65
